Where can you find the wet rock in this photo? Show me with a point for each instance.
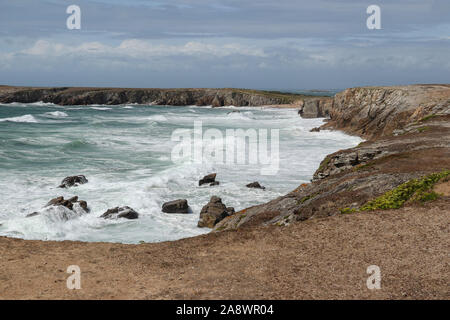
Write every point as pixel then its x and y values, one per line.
pixel 32 214
pixel 215 183
pixel 69 203
pixel 120 212
pixel 214 212
pixel 176 206
pixel 315 130
pixel 210 178
pixel 255 185
pixel 73 181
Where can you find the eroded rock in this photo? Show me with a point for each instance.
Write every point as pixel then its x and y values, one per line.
pixel 73 181
pixel 176 206
pixel 255 185
pixel 120 212
pixel 214 212
pixel 210 178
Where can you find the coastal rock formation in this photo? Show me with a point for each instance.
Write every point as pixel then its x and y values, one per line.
pixel 63 208
pixel 120 212
pixel 409 138
pixel 176 206
pixel 73 181
pixel 316 108
pixel 176 97
pixel 214 212
pixel 255 185
pixel 210 178
pixel 69 203
pixel 372 112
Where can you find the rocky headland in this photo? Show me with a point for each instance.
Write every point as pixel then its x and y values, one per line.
pixel 408 137
pixel 173 97
pixel 385 202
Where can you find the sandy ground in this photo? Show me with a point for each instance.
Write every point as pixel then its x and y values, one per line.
pixel 319 258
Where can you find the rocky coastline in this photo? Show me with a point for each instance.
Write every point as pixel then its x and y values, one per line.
pixel 408 137
pixel 172 97
pixel 385 201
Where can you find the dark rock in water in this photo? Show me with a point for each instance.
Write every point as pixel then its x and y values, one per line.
pixel 255 185
pixel 32 214
pixel 210 178
pixel 176 206
pixel 73 181
pixel 215 183
pixel 234 111
pixel 60 201
pixel 315 130
pixel 83 204
pixel 120 212
pixel 214 212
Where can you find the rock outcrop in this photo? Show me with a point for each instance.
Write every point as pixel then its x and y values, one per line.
pixel 176 206
pixel 176 97
pixel 68 203
pixel 255 185
pixel 316 108
pixel 409 138
pixel 372 112
pixel 214 212
pixel 210 178
pixel 120 212
pixel 73 181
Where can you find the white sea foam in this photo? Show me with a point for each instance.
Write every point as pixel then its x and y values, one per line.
pixel 56 114
pixel 28 118
pixel 101 108
pixel 126 157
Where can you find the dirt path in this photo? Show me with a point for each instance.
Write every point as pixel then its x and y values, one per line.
pixel 320 258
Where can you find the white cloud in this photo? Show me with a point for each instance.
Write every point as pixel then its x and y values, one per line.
pixel 135 48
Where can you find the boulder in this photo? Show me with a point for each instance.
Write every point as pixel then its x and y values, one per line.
pixel 60 201
pixel 317 129
pixel 210 178
pixel 255 185
pixel 214 212
pixel 120 212
pixel 176 206
pixel 73 181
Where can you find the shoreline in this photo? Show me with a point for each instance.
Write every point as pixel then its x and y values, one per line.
pixel 388 158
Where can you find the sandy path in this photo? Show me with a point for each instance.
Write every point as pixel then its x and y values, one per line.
pixel 324 258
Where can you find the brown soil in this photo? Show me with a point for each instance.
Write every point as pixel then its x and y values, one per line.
pixel 317 259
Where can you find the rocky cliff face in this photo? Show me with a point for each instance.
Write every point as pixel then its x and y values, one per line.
pixel 176 97
pixel 373 112
pixel 409 137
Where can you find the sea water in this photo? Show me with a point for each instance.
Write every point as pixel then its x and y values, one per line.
pixel 125 153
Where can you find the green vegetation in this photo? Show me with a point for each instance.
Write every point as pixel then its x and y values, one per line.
pixel 419 190
pixel 324 163
pixel 304 199
pixel 415 189
pixel 422 129
pixel 428 117
pixel 347 210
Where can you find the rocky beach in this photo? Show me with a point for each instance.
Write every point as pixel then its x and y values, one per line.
pixel 384 202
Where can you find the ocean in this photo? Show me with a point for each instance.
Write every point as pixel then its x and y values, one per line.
pixel 125 152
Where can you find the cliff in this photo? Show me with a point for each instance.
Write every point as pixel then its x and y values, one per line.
pixel 175 97
pixel 408 134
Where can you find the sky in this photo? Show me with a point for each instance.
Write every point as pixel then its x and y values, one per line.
pixel 261 44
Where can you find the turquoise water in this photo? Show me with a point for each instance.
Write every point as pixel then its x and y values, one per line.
pixel 125 152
